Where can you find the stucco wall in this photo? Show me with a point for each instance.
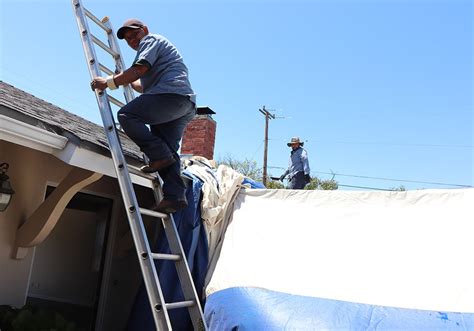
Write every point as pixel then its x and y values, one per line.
pixel 29 173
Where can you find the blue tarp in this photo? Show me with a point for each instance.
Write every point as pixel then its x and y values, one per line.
pixel 245 308
pixel 252 183
pixel 193 239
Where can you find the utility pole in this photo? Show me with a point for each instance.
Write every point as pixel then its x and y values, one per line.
pixel 268 116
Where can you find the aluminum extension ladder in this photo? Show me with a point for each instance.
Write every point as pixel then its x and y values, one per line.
pixel 146 258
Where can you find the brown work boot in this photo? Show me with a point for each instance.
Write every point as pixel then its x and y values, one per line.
pixel 158 165
pixel 170 206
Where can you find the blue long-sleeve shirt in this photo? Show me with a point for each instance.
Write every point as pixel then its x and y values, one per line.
pixel 298 162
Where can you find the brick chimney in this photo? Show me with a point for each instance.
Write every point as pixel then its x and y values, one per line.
pixel 200 134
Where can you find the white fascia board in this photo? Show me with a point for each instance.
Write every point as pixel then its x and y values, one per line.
pixel 30 136
pixel 89 160
pixel 36 138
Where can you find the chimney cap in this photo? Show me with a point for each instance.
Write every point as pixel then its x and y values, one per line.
pixel 205 111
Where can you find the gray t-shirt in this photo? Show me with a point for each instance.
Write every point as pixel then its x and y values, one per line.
pixel 167 72
pixel 298 162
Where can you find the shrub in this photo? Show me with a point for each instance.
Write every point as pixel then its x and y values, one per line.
pixel 30 318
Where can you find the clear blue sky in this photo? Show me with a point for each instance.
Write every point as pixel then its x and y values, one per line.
pixel 376 88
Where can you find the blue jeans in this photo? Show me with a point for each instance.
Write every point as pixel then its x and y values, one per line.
pixel 167 115
pixel 297 182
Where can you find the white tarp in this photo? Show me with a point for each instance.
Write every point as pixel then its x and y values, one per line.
pixel 412 249
pixel 219 190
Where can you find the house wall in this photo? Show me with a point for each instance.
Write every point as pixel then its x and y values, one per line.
pixel 30 172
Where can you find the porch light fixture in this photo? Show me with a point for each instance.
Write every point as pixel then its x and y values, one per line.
pixel 6 191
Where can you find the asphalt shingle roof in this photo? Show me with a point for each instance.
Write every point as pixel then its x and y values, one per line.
pixel 59 120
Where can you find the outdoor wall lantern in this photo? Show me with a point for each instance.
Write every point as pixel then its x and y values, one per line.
pixel 6 191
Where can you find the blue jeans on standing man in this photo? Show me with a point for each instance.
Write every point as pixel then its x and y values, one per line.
pixel 167 115
pixel 297 181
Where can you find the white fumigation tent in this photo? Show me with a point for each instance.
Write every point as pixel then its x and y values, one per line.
pixel 294 259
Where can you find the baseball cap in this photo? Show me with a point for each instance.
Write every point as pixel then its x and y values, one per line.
pixel 131 23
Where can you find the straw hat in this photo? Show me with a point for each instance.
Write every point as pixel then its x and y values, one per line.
pixel 295 140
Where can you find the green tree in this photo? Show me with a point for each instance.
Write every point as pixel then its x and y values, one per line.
pixel 399 188
pixel 318 184
pixel 247 167
pixel 328 184
pixel 275 184
pixel 313 184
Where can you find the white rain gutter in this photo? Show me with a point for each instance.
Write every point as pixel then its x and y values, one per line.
pixel 30 136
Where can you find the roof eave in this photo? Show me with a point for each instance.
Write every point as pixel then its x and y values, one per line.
pixel 65 149
pixel 30 136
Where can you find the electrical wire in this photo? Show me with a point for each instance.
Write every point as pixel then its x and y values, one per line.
pixel 395 144
pixel 258 148
pixel 380 143
pixel 366 187
pixel 382 178
pixel 71 103
pixel 392 179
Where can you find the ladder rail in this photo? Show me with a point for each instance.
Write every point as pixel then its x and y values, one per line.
pixel 184 274
pixel 119 63
pixel 159 310
pixel 159 307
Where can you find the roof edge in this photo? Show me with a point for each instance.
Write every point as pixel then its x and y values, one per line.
pixel 30 136
pixel 21 133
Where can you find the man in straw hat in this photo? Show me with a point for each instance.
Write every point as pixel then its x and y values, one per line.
pixel 166 105
pixel 298 167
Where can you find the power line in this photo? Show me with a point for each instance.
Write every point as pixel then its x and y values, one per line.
pixel 253 155
pixel 46 90
pixel 395 144
pixel 381 143
pixel 383 178
pixel 392 179
pixel 366 187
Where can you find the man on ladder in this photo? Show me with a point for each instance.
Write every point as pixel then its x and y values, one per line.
pixel 158 71
pixel 166 104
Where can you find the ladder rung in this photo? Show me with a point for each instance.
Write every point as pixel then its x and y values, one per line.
pixel 116 102
pixel 181 304
pixel 136 171
pixel 153 213
pixel 147 259
pixel 105 69
pixel 104 47
pixel 96 20
pixel 170 257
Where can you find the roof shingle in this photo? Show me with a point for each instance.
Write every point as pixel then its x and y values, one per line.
pixel 60 120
